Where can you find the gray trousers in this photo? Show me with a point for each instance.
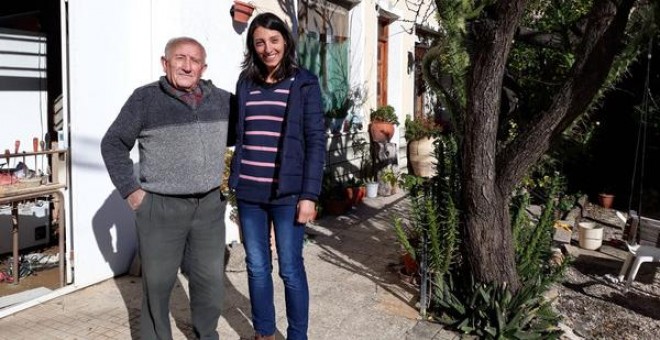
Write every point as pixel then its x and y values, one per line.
pixel 181 231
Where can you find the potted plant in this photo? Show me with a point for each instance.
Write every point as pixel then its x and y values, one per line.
pixel 333 196
pixel 422 127
pixel 606 199
pixel 421 134
pixel 371 185
pixel 242 11
pixel 366 179
pixel 408 237
pixel 388 183
pixel 355 190
pixel 382 124
pixel 340 106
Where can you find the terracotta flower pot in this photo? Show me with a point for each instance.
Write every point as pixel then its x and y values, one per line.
pixel 242 11
pixel 410 265
pixel 358 195
pixel 605 200
pixel 355 195
pixel 381 132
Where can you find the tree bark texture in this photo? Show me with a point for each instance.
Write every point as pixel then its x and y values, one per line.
pixel 489 238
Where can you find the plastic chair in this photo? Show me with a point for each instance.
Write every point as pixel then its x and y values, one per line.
pixel 642 236
pixel 641 254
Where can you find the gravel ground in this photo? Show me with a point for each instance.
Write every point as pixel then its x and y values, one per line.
pixel 597 309
pixel 593 304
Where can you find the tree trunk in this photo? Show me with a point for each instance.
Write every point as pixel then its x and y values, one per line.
pixel 490 242
pixel 489 238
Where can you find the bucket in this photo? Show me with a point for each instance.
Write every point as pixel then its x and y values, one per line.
pixel 372 190
pixel 590 235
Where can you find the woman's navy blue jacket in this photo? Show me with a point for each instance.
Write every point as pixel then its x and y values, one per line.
pixel 303 146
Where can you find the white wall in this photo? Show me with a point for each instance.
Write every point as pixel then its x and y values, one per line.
pixel 114 47
pixel 23 110
pixel 357 57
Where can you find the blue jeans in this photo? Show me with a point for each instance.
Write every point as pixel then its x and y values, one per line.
pixel 255 221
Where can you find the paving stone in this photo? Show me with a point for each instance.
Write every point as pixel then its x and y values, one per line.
pixel 423 330
pixel 353 291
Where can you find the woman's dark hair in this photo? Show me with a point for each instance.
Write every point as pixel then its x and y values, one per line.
pixel 253 67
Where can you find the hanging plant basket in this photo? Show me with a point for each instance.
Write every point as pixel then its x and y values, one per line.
pixel 242 11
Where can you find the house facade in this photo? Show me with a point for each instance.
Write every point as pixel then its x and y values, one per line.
pixel 68 66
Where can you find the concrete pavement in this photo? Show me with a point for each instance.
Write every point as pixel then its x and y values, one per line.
pixel 355 292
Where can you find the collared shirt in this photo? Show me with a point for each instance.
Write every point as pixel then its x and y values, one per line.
pixel 191 98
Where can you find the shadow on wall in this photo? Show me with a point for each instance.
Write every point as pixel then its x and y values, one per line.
pixel 114 230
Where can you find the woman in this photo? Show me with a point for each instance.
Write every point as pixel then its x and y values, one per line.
pixel 277 169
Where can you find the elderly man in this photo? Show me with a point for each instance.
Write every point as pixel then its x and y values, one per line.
pixel 180 124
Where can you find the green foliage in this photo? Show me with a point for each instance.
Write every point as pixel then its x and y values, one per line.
pixel 421 127
pixel 644 23
pixel 486 310
pixel 434 210
pixel 567 202
pixel 389 176
pixel 491 311
pixel 362 148
pixel 520 221
pixel 340 105
pixel 384 114
pixel 444 241
pixel 534 249
pixel 226 191
pixel 445 64
pixel 331 188
pixel 412 232
pixel 406 236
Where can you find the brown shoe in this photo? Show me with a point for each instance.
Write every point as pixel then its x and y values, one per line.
pixel 264 337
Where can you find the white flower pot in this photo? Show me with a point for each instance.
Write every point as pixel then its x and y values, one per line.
pixel 590 235
pixel 372 190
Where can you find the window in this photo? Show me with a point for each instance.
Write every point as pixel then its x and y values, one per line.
pixel 323 47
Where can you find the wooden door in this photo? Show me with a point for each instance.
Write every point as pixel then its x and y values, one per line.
pixel 382 62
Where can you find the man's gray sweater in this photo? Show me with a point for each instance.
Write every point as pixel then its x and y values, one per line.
pixel 181 148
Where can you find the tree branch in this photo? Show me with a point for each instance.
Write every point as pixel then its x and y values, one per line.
pixel 565 40
pixel 435 80
pixel 552 40
pixel 594 57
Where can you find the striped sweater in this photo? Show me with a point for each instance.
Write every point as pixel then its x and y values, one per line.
pixel 265 109
pixel 302 147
